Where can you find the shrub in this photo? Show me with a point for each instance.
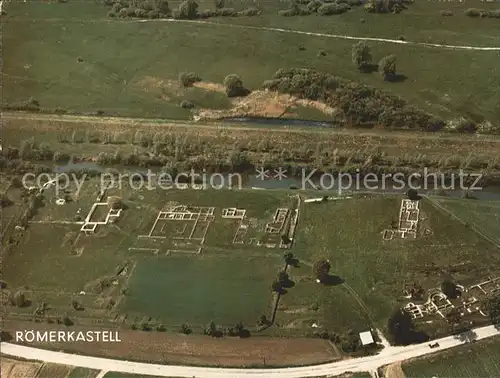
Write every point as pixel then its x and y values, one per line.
pixel 187 104
pixel 333 8
pixel 188 9
pixel 446 13
pixel 234 86
pixel 474 12
pixel 187 79
pixel 387 66
pixel 361 54
pixel 226 12
pixel 153 14
pixel 111 14
pixel 493 13
pixel 122 13
pixel 141 13
pixel 314 5
pixel 250 12
pixel 207 13
pixel 402 38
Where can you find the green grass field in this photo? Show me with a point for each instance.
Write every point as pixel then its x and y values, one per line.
pixel 479 360
pixel 190 290
pixel 481 214
pixel 349 233
pixel 226 283
pixel 43 41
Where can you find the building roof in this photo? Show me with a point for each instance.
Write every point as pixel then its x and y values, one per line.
pixel 366 338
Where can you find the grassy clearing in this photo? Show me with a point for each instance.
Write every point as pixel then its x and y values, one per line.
pixel 479 360
pixel 41 60
pixel 229 282
pixel 349 233
pixel 485 216
pixel 195 291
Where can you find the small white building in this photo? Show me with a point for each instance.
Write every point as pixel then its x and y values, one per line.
pixel 366 338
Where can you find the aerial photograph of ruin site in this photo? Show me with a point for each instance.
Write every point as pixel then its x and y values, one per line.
pixel 250 188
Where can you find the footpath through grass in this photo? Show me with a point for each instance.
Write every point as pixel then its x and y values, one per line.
pixel 349 233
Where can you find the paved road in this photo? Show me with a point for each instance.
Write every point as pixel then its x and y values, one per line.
pixel 371 363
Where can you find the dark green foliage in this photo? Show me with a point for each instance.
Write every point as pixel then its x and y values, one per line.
pixel 360 104
pixel 333 8
pixel 361 55
pixel 185 329
pixel 188 9
pixel 234 86
pixel 321 268
pixel 187 104
pixel 187 79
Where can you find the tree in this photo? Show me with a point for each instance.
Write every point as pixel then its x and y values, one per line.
pixel 285 240
pixel 289 258
pixel 185 329
pixel 67 321
pixel 188 9
pixel 18 299
pixel 450 289
pixel 492 307
pixel 114 202
pixel 387 67
pixel 234 86
pixel 283 278
pixel 187 79
pixel 361 55
pixel 211 329
pixel 276 287
pixel 453 317
pixel 263 321
pixel 412 194
pixel 321 268
pixel 162 6
pixel 400 327
pixel 75 304
pixel 219 4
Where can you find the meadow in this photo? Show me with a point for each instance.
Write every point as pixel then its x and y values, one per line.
pixel 72 57
pixel 479 360
pixel 483 215
pixel 226 283
pixel 374 271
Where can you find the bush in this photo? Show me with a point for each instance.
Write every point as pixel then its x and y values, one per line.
pixel 153 14
pixel 187 79
pixel 333 8
pixel 387 67
pixel 314 5
pixel 234 86
pixel 361 54
pixel 446 13
pixel 111 14
pixel 474 12
pixel 187 104
pixel 250 12
pixel 187 10
pixel 493 13
pixel 359 104
pixel 141 13
pixel 226 12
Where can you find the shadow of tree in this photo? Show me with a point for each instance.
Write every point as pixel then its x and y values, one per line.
pixel 332 280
